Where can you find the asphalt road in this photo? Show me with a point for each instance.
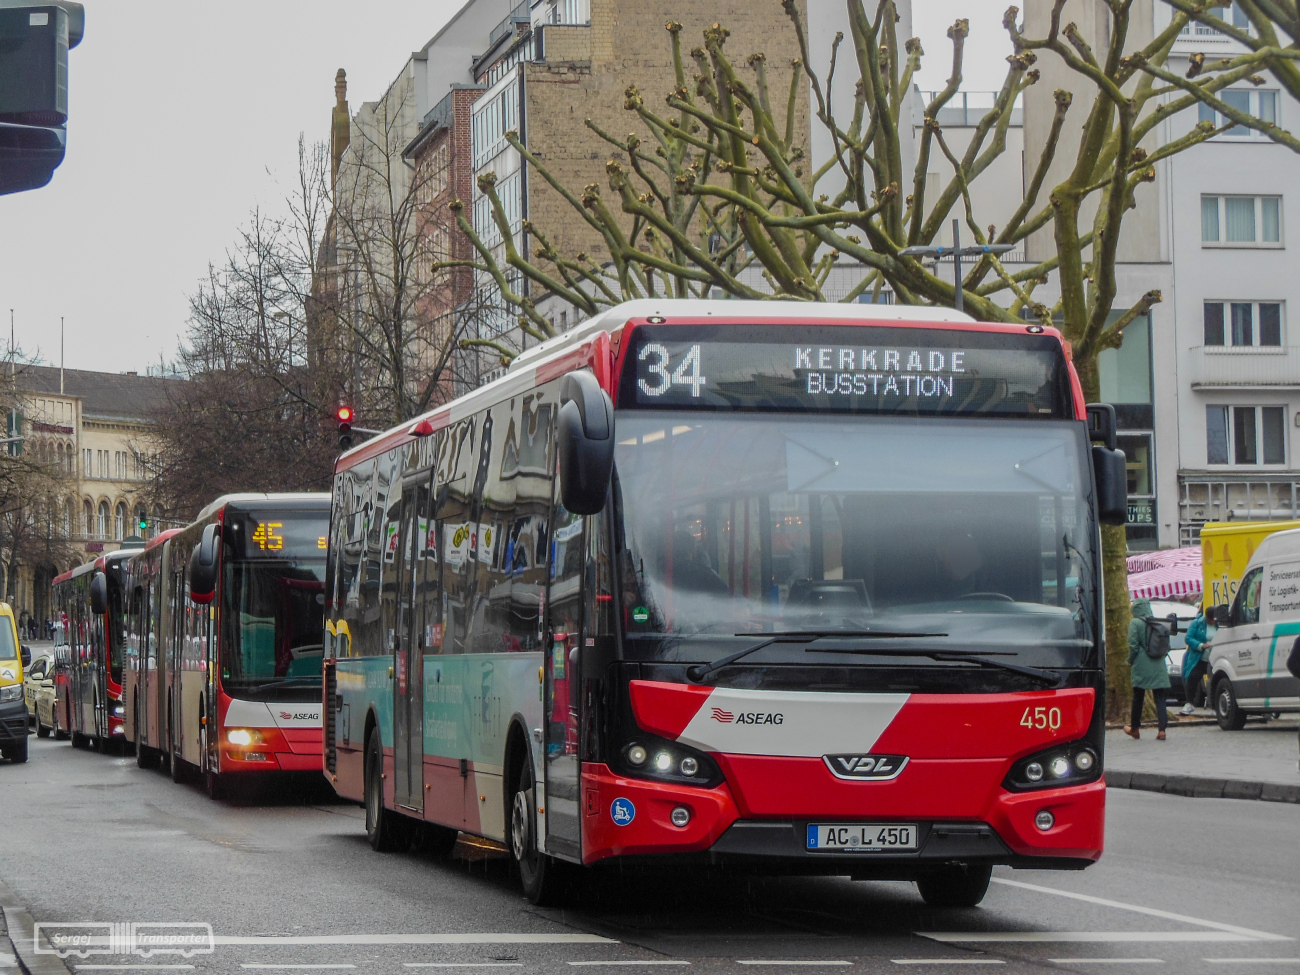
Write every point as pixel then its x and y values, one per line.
pixel 1202 884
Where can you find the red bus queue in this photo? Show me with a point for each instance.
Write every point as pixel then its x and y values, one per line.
pixel 792 588
pixel 796 588
pixel 201 651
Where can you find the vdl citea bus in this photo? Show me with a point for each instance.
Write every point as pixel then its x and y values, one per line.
pixel 88 631
pixel 789 587
pixel 223 650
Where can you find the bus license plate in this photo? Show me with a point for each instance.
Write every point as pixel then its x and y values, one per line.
pixel 863 837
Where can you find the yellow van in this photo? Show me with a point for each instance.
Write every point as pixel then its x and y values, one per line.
pixel 13 709
pixel 1226 547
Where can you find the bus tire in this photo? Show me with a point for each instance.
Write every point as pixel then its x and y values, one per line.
pixel 1230 716
pixel 956 885
pixel 386 831
pixel 545 880
pixel 177 769
pixel 215 785
pixel 59 733
pixel 17 752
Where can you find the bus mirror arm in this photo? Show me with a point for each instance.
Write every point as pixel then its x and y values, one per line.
pixel 25 654
pixel 203 565
pixel 585 431
pixel 99 594
pixel 1112 485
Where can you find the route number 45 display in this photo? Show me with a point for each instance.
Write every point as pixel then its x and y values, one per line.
pixel 1041 718
pixel 657 362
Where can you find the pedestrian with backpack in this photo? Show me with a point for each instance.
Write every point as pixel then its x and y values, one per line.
pixel 1148 644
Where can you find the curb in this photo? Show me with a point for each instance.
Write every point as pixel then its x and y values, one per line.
pixel 18 929
pixel 1199 787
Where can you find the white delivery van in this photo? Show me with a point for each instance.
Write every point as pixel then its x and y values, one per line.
pixel 1255 635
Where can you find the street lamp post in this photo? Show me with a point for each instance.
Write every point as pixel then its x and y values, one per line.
pixel 957 252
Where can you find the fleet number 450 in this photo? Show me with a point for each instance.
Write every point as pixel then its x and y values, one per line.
pixel 1041 718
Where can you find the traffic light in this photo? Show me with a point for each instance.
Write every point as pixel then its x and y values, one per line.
pixel 344 415
pixel 34 43
pixel 144 524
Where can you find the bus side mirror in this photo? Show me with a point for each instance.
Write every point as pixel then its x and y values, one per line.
pixel 1112 485
pixel 1220 614
pixel 25 655
pixel 203 565
pixel 99 594
pixel 585 431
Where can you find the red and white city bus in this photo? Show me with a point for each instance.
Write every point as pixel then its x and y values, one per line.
pixel 88 633
pixel 223 658
pixel 791 587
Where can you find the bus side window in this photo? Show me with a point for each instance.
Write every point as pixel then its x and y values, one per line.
pixel 456 471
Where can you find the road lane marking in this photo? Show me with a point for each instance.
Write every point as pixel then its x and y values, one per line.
pixel 654 962
pixel 1107 961
pixel 130 968
pixel 268 965
pixel 956 937
pixel 1149 911
pixel 791 961
pixel 416 939
pixel 462 964
pixel 947 961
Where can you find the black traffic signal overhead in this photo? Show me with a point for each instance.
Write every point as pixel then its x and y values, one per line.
pixel 34 43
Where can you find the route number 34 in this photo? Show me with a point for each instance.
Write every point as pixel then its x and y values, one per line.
pixel 1041 718
pixel 661 379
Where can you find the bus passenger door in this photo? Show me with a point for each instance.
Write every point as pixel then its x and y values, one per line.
pixel 560 702
pixel 408 683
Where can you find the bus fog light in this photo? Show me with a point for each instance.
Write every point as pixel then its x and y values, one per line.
pixel 255 757
pixel 1084 761
pixel 1060 766
pixel 680 816
pixel 1044 820
pixel 1034 772
pixel 636 755
pixel 663 762
pixel 689 766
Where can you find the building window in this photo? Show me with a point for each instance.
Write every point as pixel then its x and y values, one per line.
pixel 101 528
pixel 87 519
pixel 1241 220
pixel 120 521
pixel 1261 104
pixel 1243 323
pixel 1245 435
pixel 491 121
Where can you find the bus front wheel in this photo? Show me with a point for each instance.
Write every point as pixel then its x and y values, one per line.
pixel 386 830
pixel 545 881
pixel 958 885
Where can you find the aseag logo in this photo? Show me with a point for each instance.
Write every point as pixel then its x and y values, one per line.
pixel 748 717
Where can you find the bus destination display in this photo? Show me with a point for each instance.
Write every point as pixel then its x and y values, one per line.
pixel 842 368
pixel 277 535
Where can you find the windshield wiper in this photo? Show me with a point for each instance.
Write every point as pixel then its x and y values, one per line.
pixel 1044 676
pixel 699 672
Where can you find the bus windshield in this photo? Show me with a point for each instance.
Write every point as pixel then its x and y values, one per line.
pixel 271 630
pixel 974 534
pixel 7 649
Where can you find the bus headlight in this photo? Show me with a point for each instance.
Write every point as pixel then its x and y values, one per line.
pixel 14 692
pixel 244 737
pixel 667 761
pixel 1072 764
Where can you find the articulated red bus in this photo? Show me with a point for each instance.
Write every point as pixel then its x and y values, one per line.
pixel 223 658
pixel 792 587
pixel 88 629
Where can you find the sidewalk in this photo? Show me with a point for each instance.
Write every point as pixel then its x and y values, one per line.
pixel 1201 760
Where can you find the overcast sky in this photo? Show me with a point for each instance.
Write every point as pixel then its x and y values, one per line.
pixel 184 115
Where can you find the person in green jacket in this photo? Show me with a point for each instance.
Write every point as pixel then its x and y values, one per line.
pixel 1147 674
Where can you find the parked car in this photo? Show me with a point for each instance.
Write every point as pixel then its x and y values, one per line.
pixel 1248 673
pixel 14 658
pixel 31 684
pixel 1161 608
pixel 52 698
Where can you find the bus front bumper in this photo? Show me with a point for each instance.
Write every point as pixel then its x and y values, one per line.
pixel 1001 831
